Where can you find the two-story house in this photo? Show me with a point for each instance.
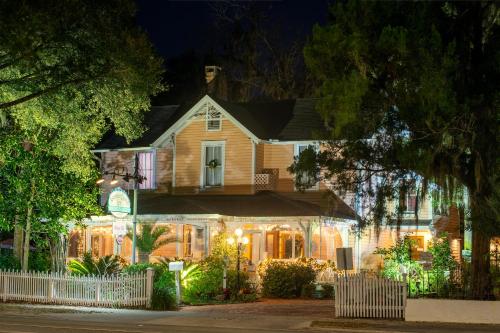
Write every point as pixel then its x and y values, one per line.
pixel 215 164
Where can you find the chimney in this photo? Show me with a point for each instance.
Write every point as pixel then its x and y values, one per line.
pixel 211 72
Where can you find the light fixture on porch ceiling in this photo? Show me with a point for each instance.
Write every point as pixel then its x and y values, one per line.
pixel 114 181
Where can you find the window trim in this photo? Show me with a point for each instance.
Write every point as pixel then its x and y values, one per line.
pixel 417 203
pixel 153 168
pixel 205 144
pixel 208 119
pixel 296 148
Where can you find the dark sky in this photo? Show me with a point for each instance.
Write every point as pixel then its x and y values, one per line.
pixel 176 26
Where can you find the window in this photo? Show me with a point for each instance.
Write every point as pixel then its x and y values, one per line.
pixel 214 119
pixel 416 247
pixel 147 169
pixel 411 202
pixel 305 179
pixel 213 164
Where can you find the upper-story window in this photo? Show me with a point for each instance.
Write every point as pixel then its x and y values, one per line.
pixel 214 119
pixel 147 169
pixel 305 179
pixel 213 163
pixel 411 201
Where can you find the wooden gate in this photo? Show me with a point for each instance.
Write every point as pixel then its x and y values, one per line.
pixel 360 296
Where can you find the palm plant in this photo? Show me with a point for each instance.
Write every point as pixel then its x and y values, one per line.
pixel 107 265
pixel 189 273
pixel 151 238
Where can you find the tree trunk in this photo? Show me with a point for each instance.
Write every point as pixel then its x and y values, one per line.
pixel 18 239
pixel 27 230
pixel 481 280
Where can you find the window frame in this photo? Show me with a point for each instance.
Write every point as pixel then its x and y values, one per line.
pixel 209 118
pixel 152 179
pixel 204 145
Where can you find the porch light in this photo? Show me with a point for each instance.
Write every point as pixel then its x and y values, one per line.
pixel 238 232
pixel 100 181
pixel 114 181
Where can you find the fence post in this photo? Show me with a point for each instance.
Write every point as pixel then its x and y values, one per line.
pixel 150 273
pixel 97 289
pixel 5 284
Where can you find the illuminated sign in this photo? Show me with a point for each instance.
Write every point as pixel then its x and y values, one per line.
pixel 119 203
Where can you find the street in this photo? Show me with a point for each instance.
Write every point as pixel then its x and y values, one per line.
pixel 264 317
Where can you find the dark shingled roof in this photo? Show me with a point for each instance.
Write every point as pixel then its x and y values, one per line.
pixel 267 204
pixel 294 119
pixel 157 121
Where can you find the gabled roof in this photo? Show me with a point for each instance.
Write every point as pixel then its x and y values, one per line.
pixel 284 120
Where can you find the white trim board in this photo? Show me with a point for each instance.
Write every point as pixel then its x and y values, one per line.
pixel 184 121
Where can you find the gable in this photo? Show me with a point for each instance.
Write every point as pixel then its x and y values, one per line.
pixel 206 107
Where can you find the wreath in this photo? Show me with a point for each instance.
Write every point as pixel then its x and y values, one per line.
pixel 213 164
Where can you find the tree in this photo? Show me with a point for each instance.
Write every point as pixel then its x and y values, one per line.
pixel 37 194
pixel 69 71
pixel 75 68
pixel 410 96
pixel 151 238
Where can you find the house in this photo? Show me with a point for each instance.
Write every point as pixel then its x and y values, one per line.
pixel 214 165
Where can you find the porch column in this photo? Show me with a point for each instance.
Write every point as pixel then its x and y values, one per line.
pixel 88 239
pixel 263 252
pixel 293 243
pixel 207 237
pixel 178 244
pixel 320 238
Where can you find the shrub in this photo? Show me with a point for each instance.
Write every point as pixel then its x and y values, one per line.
pixel 286 279
pixel 327 290
pixel 39 261
pixel 8 261
pixel 163 297
pixel 107 265
pixel 206 285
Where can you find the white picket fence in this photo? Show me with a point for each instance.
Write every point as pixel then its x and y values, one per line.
pixel 134 290
pixel 360 296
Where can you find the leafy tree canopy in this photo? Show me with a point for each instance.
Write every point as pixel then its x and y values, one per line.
pixel 410 94
pixel 74 68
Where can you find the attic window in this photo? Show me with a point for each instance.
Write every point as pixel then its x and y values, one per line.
pixel 214 119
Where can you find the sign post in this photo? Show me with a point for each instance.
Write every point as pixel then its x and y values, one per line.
pixel 344 259
pixel 177 267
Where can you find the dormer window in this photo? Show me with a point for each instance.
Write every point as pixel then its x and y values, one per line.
pixel 214 119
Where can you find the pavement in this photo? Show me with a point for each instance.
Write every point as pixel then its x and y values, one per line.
pixel 266 316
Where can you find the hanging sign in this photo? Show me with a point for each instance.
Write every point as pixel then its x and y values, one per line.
pixel 344 258
pixel 119 228
pixel 119 203
pixel 119 240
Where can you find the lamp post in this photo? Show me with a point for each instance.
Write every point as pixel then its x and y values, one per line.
pixel 138 179
pixel 239 242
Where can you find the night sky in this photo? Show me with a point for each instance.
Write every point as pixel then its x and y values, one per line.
pixel 178 26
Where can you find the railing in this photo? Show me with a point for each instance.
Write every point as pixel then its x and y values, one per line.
pixel 360 296
pixel 134 290
pixel 266 180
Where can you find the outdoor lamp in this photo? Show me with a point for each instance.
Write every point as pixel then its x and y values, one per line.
pixel 239 242
pixel 100 181
pixel 114 181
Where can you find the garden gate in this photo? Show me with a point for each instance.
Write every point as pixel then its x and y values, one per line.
pixel 360 296
pixel 132 290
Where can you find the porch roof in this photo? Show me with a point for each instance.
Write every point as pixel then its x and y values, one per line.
pixel 262 204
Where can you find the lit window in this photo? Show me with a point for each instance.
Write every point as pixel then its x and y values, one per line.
pixel 147 170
